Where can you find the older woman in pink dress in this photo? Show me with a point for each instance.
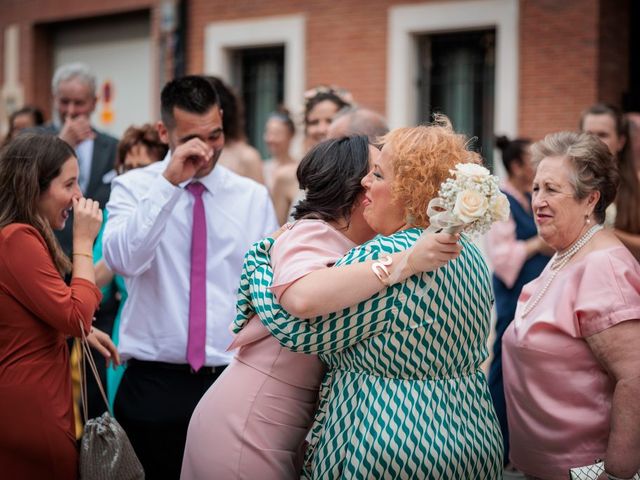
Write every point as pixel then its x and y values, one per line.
pixel 253 421
pixel 571 356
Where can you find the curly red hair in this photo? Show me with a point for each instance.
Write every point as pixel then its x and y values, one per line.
pixel 422 159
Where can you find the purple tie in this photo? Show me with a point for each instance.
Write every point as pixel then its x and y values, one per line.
pixel 198 281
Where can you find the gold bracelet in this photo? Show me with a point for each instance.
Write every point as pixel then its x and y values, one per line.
pixel 82 255
pixel 380 269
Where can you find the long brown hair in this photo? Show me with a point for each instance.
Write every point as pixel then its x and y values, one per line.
pixel 628 198
pixel 28 164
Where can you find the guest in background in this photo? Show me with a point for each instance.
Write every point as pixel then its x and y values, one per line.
pixel 320 106
pixel 570 356
pixel 608 124
pixel 38 187
pixel 358 121
pixel 278 134
pixel 26 117
pixel 238 156
pixel 74 94
pixel 517 254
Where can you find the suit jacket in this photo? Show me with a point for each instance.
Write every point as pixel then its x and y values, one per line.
pixel 102 162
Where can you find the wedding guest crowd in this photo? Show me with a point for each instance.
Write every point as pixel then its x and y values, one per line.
pixel 359 338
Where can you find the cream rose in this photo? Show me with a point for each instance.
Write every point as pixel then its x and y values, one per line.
pixel 472 170
pixel 470 205
pixel 500 208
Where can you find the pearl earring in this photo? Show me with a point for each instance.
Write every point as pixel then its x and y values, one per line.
pixel 587 220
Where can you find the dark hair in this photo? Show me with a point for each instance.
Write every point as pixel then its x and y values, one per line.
pixel 628 199
pixel 36 115
pixel 145 135
pixel 232 108
pixel 192 94
pixel 594 166
pixel 28 164
pixel 282 114
pixel 320 95
pixel 330 174
pixel 614 112
pixel 512 150
pixel 35 112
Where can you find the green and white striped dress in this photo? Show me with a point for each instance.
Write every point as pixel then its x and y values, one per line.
pixel 404 397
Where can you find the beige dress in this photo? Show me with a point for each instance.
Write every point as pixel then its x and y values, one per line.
pixel 253 421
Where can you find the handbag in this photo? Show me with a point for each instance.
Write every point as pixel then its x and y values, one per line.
pixel 591 472
pixel 105 450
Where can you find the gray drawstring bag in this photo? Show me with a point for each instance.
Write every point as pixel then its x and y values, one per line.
pixel 105 451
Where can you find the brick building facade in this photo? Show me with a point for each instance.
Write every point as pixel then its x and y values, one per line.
pixel 553 57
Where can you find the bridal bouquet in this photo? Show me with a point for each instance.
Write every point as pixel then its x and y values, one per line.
pixel 470 201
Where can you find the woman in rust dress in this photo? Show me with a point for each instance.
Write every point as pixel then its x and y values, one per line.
pixel 38 188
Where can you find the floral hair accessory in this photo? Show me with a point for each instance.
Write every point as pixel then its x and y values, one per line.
pixel 469 202
pixel 342 93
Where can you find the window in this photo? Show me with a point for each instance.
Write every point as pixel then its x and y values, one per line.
pixel 456 77
pixel 258 75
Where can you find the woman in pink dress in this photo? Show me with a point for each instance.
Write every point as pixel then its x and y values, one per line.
pixel 571 356
pixel 253 421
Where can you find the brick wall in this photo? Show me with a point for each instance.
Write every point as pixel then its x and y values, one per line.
pixel 613 55
pixel 558 63
pixel 346 41
pixel 36 19
pixel 572 52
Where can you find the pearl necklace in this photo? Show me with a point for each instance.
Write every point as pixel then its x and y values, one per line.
pixel 557 263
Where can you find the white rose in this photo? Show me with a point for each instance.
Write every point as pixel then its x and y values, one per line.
pixel 500 208
pixel 472 170
pixel 470 205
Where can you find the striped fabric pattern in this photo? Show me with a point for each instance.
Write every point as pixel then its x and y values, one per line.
pixel 405 396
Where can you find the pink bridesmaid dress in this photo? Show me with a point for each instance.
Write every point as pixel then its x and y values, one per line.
pixel 253 420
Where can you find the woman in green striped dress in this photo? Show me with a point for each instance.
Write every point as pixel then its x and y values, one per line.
pixel 404 396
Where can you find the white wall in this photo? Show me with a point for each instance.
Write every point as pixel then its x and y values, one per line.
pixel 120 51
pixel 408 21
pixel 221 38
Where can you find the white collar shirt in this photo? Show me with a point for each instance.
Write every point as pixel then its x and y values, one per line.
pixel 84 150
pixel 147 239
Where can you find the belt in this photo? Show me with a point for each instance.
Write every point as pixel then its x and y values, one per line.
pixel 175 367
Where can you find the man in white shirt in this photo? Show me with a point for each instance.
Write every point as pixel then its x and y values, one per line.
pixel 153 238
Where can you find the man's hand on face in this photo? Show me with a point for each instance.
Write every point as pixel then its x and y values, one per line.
pixel 187 160
pixel 76 130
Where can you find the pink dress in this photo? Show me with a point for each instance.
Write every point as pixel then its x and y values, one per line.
pixel 253 420
pixel 558 395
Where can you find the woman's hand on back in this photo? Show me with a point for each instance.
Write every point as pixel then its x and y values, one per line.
pixel 432 251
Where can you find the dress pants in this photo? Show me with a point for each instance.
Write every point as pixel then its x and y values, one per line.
pixel 154 405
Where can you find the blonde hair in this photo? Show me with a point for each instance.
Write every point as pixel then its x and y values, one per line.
pixel 422 159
